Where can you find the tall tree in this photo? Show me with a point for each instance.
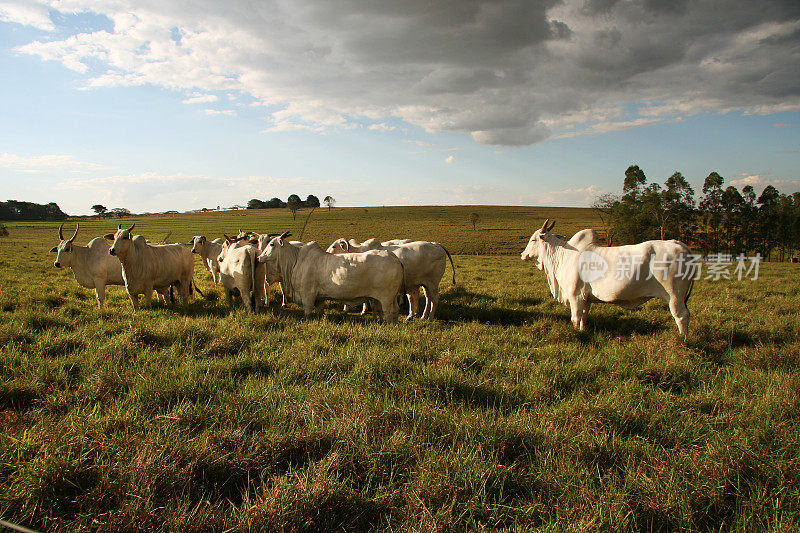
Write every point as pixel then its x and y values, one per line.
pixel 711 207
pixel 732 209
pixel 311 201
pixel 99 210
pixel 294 203
pixel 678 200
pixel 768 219
pixel 329 201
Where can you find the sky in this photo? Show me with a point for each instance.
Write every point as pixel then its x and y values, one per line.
pixel 155 105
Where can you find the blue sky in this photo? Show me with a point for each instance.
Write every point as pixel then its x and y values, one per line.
pixel 181 105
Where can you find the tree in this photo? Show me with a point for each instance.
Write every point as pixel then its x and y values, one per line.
pixel 732 207
pixel 255 203
pixel 311 201
pixel 99 209
pixel 329 201
pixel 120 212
pixel 605 206
pixel 275 203
pixel 3 230
pixel 474 218
pixel 711 207
pixel 768 219
pixel 294 203
pixel 678 202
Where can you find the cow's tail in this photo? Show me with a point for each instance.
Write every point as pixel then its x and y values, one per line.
pixel 253 263
pixel 193 284
pixel 451 261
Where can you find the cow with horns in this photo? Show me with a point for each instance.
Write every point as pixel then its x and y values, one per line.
pixel 209 252
pixel 146 266
pixel 91 265
pixel 581 273
pixel 311 275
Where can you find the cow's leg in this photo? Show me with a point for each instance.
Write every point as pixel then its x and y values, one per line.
pixel 365 308
pixel 309 302
pixel 100 293
pixel 134 300
pixel 390 310
pixel 229 297
pixel 584 318
pixel 283 294
pixel 183 291
pixel 412 294
pixel 431 301
pixel 680 313
pixel 576 309
pixel 148 296
pixel 247 303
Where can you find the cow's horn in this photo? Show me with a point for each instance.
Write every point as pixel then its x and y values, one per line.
pixel 544 226
pixel 131 228
pixel 119 226
pixel 60 232
pixel 284 235
pixel 77 226
pixel 551 226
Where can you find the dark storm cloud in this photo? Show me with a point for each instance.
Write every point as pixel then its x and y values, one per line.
pixel 508 72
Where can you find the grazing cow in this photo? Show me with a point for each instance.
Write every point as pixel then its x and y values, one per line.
pixel 626 276
pixel 423 263
pixel 91 265
pixel 240 272
pixel 146 267
pixel 208 251
pixel 311 275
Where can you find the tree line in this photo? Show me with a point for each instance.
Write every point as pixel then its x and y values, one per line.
pixel 724 220
pixel 294 201
pixel 16 210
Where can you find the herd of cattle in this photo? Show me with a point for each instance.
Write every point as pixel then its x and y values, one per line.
pixel 372 272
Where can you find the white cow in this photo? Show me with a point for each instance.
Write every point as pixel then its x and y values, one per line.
pixel 626 276
pixel 423 263
pixel 311 275
pixel 209 252
pixel 91 265
pixel 272 275
pixel 240 272
pixel 146 266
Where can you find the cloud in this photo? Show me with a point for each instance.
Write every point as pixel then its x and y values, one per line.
pixel 27 14
pixel 449 159
pixel 201 99
pixel 42 163
pixel 510 72
pixel 758 181
pixel 229 112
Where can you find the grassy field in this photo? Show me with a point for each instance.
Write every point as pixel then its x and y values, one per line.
pixel 496 416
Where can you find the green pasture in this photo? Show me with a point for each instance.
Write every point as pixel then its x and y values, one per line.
pixel 497 416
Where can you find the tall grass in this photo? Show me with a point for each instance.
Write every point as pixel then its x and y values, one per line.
pixel 496 416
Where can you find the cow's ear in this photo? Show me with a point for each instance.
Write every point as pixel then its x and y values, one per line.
pixel 280 241
pixel 54 249
pixel 109 236
pixel 345 245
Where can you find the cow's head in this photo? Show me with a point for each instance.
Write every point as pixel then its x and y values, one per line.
pixel 339 246
pixel 198 244
pixel 273 249
pixel 534 249
pixel 64 248
pixel 123 240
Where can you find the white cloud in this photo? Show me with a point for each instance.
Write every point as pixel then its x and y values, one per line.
pixel 449 159
pixel 758 182
pixel 26 13
pixel 508 73
pixel 229 112
pixel 42 163
pixel 201 99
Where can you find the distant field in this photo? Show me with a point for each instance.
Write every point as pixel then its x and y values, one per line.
pixel 496 416
pixel 501 230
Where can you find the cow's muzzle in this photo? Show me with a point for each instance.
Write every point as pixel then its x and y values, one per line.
pixel 111 251
pixel 57 264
